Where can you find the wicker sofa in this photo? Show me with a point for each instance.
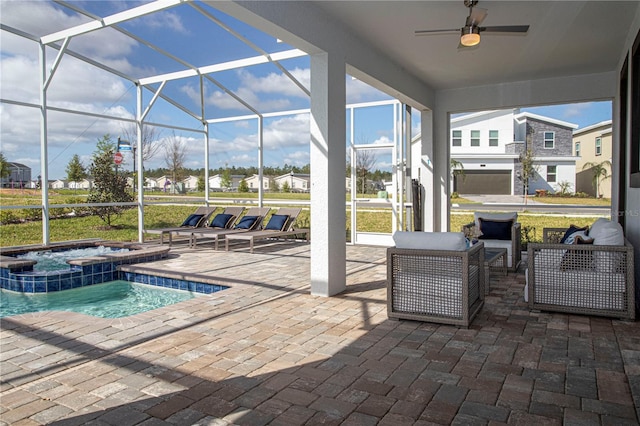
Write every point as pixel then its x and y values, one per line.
pixel 434 277
pixel 509 240
pixel 596 278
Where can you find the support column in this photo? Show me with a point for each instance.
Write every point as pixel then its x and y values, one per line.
pixel 139 162
pixel 442 170
pixel 328 148
pixel 44 156
pixel 427 175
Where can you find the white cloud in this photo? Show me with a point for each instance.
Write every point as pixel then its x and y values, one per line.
pixel 279 84
pixel 164 21
pixel 297 158
pixel 576 110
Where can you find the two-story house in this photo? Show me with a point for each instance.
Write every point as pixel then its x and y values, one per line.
pixel 592 145
pixel 487 145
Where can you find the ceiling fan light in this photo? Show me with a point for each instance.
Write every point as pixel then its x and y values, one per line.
pixel 470 36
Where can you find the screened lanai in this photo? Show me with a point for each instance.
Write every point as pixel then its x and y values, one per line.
pixel 556 61
pixel 199 82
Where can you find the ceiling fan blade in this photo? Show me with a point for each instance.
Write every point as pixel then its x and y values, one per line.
pixel 476 16
pixel 426 32
pixel 506 29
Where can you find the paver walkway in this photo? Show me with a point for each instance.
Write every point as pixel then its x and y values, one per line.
pixel 267 352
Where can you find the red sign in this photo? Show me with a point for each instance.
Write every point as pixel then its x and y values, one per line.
pixel 117 158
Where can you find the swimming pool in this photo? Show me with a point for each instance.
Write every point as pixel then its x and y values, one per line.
pixel 115 299
pixel 20 275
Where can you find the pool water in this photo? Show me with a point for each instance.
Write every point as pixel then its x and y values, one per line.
pixel 57 260
pixel 114 299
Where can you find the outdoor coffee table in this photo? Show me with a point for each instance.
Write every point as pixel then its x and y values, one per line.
pixel 496 259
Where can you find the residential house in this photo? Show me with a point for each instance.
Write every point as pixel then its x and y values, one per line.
pixel 215 183
pixel 19 176
pixel 60 184
pixel 163 183
pixel 488 145
pixel 297 182
pixel 593 144
pixel 253 182
pixel 191 183
pixel 84 184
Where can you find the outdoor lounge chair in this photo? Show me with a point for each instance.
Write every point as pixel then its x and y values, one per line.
pixel 435 277
pixel 280 225
pixel 195 220
pixel 498 230
pixel 239 225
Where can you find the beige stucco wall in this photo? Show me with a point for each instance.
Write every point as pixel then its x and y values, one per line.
pixel 587 139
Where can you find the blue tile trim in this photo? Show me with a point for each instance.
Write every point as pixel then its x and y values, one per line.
pixel 26 280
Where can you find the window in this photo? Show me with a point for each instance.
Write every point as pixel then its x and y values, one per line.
pixel 598 146
pixel 549 139
pixel 578 149
pixel 551 174
pixel 493 138
pixel 456 138
pixel 475 138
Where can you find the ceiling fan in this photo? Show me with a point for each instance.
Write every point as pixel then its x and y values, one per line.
pixel 470 33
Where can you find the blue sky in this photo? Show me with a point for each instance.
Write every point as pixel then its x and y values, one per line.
pixel 183 32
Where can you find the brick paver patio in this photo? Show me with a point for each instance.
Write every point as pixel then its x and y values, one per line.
pixel 267 352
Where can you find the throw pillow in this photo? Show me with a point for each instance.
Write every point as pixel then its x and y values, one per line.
pixel 577 259
pixel 571 230
pixel 578 237
pixel 495 229
pixel 494 216
pixel 277 222
pixel 247 222
pixel 192 220
pixel 222 221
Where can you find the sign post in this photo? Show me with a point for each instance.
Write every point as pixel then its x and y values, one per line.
pixel 117 158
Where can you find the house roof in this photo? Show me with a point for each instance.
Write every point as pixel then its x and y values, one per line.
pixel 603 124
pixel 19 165
pixel 519 117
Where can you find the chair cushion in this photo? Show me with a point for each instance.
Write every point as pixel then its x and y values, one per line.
pixel 597 224
pixel 277 222
pixel 495 229
pixel 222 220
pixel 192 220
pixel 248 222
pixel 455 241
pixel 607 234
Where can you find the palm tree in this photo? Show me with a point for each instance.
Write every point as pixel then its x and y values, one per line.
pixel 600 172
pixel 457 169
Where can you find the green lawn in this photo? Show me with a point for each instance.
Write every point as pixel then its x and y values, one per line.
pixel 573 200
pixel 160 216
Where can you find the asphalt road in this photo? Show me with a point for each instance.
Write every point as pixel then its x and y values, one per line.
pixel 510 202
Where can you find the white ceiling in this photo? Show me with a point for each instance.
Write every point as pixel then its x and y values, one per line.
pixel 565 38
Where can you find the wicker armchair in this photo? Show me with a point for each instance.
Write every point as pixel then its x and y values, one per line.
pixel 442 286
pixel 580 279
pixel 513 244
